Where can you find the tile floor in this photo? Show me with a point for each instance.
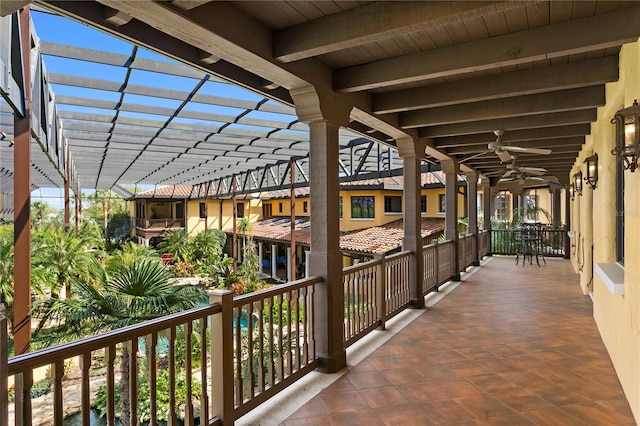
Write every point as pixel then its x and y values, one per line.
pixel 509 346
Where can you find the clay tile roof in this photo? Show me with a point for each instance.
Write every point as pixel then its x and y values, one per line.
pixel 378 239
pixel 171 191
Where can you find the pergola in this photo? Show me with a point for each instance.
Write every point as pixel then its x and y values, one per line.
pixel 432 79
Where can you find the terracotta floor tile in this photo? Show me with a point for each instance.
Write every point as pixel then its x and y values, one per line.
pixel 553 416
pixel 369 379
pixel 383 397
pixel 343 402
pixel 403 415
pixel 484 406
pixel 595 414
pixel 494 351
pixel 356 418
pixel 445 411
pixel 312 408
pixel 521 400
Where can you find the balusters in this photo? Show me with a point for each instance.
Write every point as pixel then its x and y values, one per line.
pixel 153 378
pixel 85 388
pixel 110 356
pixel 172 417
pixel 188 371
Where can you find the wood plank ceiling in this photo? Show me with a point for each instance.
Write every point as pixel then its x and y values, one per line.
pixel 448 72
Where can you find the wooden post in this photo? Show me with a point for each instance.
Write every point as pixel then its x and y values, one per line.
pixel 381 283
pixel 222 358
pixel 292 259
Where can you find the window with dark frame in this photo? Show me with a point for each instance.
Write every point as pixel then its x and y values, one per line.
pixel 442 199
pixel 240 210
pixel 340 207
pixel 305 207
pixel 279 207
pixel 203 209
pixel 393 204
pixel 423 204
pixel 362 208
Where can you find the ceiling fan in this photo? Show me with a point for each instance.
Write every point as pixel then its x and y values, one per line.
pixel 505 152
pixel 527 175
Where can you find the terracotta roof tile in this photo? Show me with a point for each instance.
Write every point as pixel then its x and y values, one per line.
pixel 170 191
pixel 378 239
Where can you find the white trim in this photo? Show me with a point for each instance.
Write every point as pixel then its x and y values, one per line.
pixel 612 275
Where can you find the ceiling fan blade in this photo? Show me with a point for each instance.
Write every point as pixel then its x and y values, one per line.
pixel 540 151
pixel 538 171
pixel 508 173
pixel 504 155
pixel 474 156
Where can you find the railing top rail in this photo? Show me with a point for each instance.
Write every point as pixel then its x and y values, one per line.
pixel 49 355
pixel 405 253
pixel 361 266
pixel 274 291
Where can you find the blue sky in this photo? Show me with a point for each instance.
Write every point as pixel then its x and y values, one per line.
pixel 56 29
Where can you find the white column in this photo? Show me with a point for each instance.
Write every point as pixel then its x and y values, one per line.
pixel 274 267
pixel 260 255
pixel 306 263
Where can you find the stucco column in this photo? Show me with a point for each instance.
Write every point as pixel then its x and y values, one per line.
pixel 274 265
pixel 288 264
pixel 451 169
pixel 325 114
pixel 586 239
pixel 567 224
pixel 487 199
pixel 412 151
pixel 472 212
pixel 556 215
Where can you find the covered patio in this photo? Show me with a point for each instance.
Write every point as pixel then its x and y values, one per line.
pixel 523 350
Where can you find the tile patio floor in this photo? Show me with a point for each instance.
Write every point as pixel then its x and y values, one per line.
pixel 508 346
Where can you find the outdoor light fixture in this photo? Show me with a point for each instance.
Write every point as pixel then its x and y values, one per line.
pixel 577 183
pixel 627 148
pixel 592 171
pixel 572 192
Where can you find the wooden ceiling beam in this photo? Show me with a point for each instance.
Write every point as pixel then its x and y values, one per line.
pixel 563 100
pixel 509 124
pixel 526 82
pixel 579 36
pixel 376 21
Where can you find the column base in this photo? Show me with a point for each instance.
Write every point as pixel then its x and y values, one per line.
pixel 417 303
pixel 332 363
pixel 455 277
pixel 475 263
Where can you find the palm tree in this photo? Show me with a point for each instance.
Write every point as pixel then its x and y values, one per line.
pixel 208 244
pixel 130 293
pixel 128 254
pixel 62 256
pixel 177 242
pixel 6 273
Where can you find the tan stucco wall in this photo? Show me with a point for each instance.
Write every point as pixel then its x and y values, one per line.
pixel 593 214
pixel 218 218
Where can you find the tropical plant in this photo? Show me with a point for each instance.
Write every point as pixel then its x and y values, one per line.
pixel 208 243
pixel 177 243
pixel 128 254
pixel 6 273
pixel 62 256
pixel 132 293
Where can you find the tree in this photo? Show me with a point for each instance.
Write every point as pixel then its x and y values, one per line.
pixel 108 209
pixel 130 293
pixel 177 242
pixel 40 211
pixel 62 257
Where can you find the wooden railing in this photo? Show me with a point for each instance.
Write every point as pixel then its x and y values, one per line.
pixel 125 344
pixel 374 292
pixel 159 223
pixel 483 243
pixel 273 341
pixel 503 241
pixel 254 345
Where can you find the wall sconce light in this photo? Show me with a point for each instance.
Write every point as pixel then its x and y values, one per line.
pixel 627 148
pixel 577 183
pixel 572 192
pixel 592 171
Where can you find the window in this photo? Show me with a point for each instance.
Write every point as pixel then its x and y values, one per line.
pixel 423 204
pixel 619 213
pixel 180 210
pixel 362 208
pixel 502 206
pixel 305 207
pixel 240 210
pixel 340 207
pixel 531 206
pixel 393 204
pixel 266 211
pixel 203 211
pixel 279 207
pixel 442 203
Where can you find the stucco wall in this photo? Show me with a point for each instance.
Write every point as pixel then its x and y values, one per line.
pixel 594 214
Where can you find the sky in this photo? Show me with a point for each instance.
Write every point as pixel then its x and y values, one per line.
pixel 62 30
